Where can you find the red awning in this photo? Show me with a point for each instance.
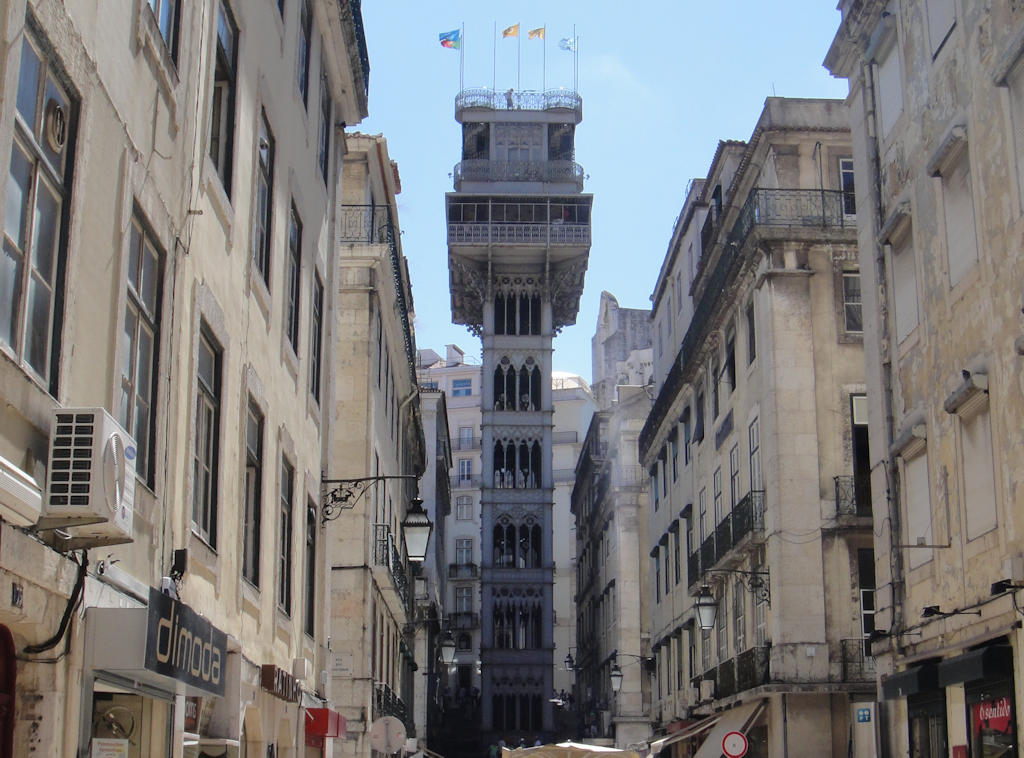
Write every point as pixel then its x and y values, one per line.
pixel 323 722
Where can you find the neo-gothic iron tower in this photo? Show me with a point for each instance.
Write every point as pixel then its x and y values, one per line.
pixel 518 244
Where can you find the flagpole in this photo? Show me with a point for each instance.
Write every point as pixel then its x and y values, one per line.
pixel 544 64
pixel 575 61
pixel 494 59
pixel 519 51
pixel 462 58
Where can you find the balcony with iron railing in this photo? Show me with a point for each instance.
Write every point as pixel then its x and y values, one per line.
pixel 857 664
pixel 466 443
pixel 544 172
pixel 746 518
pixel 853 496
pixel 504 220
pixel 386 702
pixel 462 482
pixel 463 571
pixel 387 555
pixel 465 620
pixel 745 671
pixel 489 99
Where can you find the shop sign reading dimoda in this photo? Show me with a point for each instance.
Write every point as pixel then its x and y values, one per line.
pixel 183 645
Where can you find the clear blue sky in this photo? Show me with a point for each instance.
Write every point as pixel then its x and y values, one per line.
pixel 661 83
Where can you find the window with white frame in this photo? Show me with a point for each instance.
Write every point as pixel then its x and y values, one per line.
pixel 702 509
pixel 465 469
pixel 465 437
pixel 316 328
pixel 463 599
pixel 222 110
pixel 38 187
pixel 323 148
pixel 207 432
pixel 464 550
pixel 751 333
pixel 292 273
pixel 141 340
pixel 263 198
pixel 958 208
pixel 917 506
pixel 717 481
pixel 734 476
pixel 866 588
pixel 284 544
pixel 462 387
pixel 253 506
pixel 904 285
pixel 464 508
pixel 754 443
pixel 979 478
pixel 705 649
pixel 168 21
pixel 739 617
pixel 722 628
pixel 853 314
pixel 305 49
pixel 309 601
pixel 847 187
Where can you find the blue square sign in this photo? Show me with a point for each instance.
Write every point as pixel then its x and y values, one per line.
pixel 863 715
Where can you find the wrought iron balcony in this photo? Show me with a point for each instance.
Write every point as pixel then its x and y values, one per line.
pixel 552 99
pixel 793 207
pixel 386 554
pixel 364 56
pixel 858 666
pixel 547 172
pixel 463 571
pixel 752 667
pixel 386 702
pixel 853 498
pixel 461 482
pixel 465 620
pixel 466 443
pixel 554 233
pixel 747 516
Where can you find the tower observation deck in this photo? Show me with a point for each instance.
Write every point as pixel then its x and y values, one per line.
pixel 519 231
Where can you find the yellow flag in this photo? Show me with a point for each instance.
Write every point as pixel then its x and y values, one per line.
pixel 512 31
pixel 536 33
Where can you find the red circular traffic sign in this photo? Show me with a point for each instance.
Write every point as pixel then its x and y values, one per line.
pixel 734 745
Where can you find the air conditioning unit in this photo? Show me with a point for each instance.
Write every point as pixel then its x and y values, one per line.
pixel 707 689
pixel 90 489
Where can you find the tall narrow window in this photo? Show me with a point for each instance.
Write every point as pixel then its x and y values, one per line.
pixel 324 138
pixel 222 111
pixel 465 470
pixel 464 508
pixel 847 187
pixel 890 85
pixel 310 598
pixel 698 409
pixel 657 576
pixel 917 506
pixel 730 360
pixel 464 550
pixel 264 199
pixel 253 506
pixel 979 478
pixel 207 426
pixel 140 341
pixel 716 379
pixel 167 20
pixel 739 617
pixel 734 476
pixel 293 272
pixel 38 186
pixel 284 545
pixel 866 587
pixel 853 318
pixel 717 480
pixel 316 337
pixel 463 599
pixel 904 285
pixel 702 509
pixel 677 565
pixel 751 333
pixel 305 49
pixel 754 442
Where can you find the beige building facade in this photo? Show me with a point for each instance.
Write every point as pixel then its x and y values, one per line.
pixel 171 286
pixel 936 104
pixel 756 450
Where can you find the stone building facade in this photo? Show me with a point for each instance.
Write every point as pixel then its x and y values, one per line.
pixel 756 448
pixel 174 199
pixel 518 241
pixel 936 106
pixel 609 502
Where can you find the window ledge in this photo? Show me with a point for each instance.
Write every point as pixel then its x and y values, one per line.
pixel 970 395
pixel 258 288
pixel 1008 59
pixel 202 558
pixel 913 437
pixel 288 357
pixel 151 42
pixel 896 224
pixel 250 598
pixel 953 143
pixel 218 197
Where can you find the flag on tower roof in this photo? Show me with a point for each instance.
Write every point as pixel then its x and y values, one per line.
pixel 511 31
pixel 568 43
pixel 536 33
pixel 452 39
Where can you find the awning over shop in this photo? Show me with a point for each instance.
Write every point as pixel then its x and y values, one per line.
pixel 323 722
pixel 736 720
pixel 992 662
pixel 910 682
pixel 687 732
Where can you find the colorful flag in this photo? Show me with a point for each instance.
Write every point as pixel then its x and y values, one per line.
pixel 568 43
pixel 536 33
pixel 512 31
pixel 452 39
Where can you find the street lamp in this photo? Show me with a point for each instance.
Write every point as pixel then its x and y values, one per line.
pixel 707 608
pixel 616 677
pixel 570 664
pixel 448 649
pixel 416 527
